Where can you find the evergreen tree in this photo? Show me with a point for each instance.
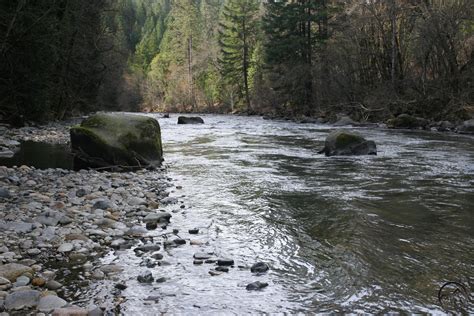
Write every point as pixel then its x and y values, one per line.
pixel 239 27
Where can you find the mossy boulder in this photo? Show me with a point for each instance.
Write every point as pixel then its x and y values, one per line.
pixel 405 121
pixel 344 143
pixel 190 120
pixel 117 139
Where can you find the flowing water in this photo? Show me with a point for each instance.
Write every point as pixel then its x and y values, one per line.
pixel 350 234
pixel 372 234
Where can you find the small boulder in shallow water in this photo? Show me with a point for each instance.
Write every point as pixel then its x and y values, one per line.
pixel 190 120
pixel 344 143
pixel 145 277
pixel 259 267
pixel 257 285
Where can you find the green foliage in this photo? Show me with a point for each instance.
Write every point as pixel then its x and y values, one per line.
pixel 239 28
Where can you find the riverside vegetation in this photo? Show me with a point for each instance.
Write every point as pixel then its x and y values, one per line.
pixel 370 60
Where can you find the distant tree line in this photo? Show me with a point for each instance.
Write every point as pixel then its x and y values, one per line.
pixel 371 59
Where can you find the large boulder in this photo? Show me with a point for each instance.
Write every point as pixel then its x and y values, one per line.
pixel 344 143
pixel 190 120
pixel 405 121
pixel 111 139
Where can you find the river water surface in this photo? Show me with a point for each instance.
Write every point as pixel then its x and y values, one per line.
pixel 342 234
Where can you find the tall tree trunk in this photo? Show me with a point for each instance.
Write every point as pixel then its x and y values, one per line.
pixel 246 67
pixel 190 73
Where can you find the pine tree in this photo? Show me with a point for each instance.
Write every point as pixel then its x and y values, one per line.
pixel 237 38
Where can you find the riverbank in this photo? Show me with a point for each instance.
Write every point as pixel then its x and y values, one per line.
pixel 56 226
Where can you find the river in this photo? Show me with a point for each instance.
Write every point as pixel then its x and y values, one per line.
pixel 343 234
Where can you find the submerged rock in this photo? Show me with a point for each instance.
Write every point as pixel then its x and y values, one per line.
pixel 111 139
pixel 190 120
pixel 343 143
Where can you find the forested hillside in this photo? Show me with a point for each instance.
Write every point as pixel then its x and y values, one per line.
pixel 369 59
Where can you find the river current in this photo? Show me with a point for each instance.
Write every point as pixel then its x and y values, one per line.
pixel 341 234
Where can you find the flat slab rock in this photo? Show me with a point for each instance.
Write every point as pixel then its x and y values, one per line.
pixel 22 299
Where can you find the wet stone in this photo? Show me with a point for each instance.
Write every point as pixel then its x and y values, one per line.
pixel 103 205
pixel 120 286
pixel 148 248
pixel 179 241
pixel 4 193
pixel 259 267
pixel 151 226
pixel 161 280
pixel 225 262
pixel 22 281
pixel 202 256
pixel 214 272
pixel 197 262
pixel 222 269
pixel 257 285
pixel 194 231
pixel 145 277
pixel 157 256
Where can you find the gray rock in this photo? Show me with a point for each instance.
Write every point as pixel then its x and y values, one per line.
pixel 98 275
pixel 70 311
pixel 4 193
pixel 49 218
pixel 20 227
pixel 254 286
pixel 6 153
pixel 103 205
pixel 225 262
pixel 53 285
pixel 202 256
pixel 148 248
pixel 33 251
pixel 22 299
pixel 161 217
pixel 22 281
pixel 50 302
pixel 135 201
pixel 111 268
pixel 66 247
pixel 259 267
pixel 4 281
pixel 406 121
pixel 344 143
pixel 145 277
pixel 136 231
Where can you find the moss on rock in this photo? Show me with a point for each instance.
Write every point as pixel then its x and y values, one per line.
pixel 118 139
pixel 343 143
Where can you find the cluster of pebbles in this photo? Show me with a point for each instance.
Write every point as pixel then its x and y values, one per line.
pixel 55 221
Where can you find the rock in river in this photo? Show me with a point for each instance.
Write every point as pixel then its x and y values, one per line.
pixel 344 143
pixel 110 139
pixel 259 267
pixel 190 120
pixel 257 285
pixel 145 277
